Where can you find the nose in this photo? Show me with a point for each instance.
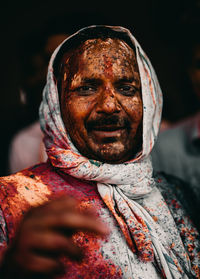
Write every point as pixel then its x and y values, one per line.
pixel 107 101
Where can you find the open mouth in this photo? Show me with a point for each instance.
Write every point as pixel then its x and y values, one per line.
pixel 108 128
pixel 102 132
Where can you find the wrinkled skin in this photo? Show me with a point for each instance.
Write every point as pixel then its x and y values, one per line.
pixel 101 100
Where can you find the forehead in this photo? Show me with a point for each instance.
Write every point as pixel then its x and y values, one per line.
pixel 90 47
pixel 97 54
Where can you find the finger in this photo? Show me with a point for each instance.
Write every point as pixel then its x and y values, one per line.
pixel 39 264
pixel 77 221
pixel 63 203
pixel 37 216
pixel 54 245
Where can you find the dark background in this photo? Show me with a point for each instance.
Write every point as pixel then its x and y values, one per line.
pixel 163 28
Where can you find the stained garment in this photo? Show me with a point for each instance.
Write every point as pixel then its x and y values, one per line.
pixel 108 257
pixel 177 152
pixel 151 233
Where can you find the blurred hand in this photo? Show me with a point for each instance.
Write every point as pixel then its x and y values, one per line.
pixel 45 235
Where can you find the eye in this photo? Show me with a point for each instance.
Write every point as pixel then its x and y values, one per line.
pixel 85 90
pixel 126 89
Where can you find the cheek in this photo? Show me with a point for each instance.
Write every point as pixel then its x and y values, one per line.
pixel 76 111
pixel 134 109
pixel 139 113
pixel 74 123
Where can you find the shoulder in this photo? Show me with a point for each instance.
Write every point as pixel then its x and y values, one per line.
pixel 33 172
pixel 168 180
pixel 26 185
pixel 171 184
pixel 21 191
pixel 42 182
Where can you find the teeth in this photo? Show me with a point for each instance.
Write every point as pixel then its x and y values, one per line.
pixel 115 133
pixel 107 128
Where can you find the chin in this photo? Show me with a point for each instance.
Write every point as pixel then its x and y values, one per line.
pixel 111 153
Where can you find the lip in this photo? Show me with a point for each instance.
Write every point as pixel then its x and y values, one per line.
pixel 108 131
pixel 107 128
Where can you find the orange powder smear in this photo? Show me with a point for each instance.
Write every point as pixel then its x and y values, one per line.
pixel 34 192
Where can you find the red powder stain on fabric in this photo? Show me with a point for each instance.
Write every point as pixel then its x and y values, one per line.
pixel 36 185
pixel 190 233
pixel 175 204
pixel 93 264
pixel 196 270
pixel 172 245
pixel 155 218
pixel 140 243
pixel 177 265
pixel 121 222
pixel 20 193
pixel 190 247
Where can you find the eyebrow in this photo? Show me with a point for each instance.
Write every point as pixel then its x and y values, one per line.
pixel 97 80
pixel 125 79
pixel 91 80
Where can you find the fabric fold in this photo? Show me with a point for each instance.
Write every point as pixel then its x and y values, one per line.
pixel 139 229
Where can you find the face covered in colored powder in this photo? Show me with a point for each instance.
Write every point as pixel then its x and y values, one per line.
pixel 101 100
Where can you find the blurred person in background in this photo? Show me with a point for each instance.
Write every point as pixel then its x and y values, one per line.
pixel 27 147
pixel 177 151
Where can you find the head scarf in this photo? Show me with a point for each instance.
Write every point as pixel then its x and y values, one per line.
pixel 119 185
